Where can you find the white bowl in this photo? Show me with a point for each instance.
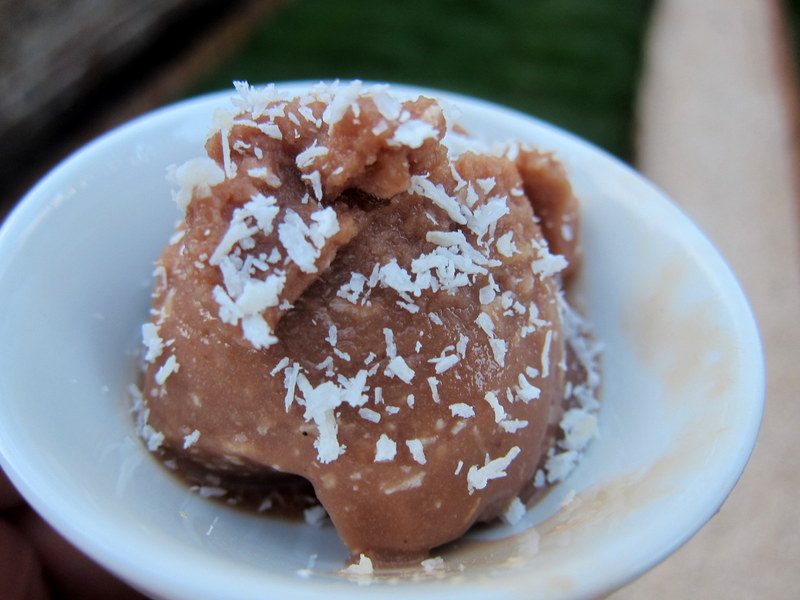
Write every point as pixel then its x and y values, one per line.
pixel 682 393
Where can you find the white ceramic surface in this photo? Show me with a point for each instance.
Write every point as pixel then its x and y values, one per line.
pixel 682 395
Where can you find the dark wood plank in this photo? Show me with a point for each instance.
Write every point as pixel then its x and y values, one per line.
pixel 71 69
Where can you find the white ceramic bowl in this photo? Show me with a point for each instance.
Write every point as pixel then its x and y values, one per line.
pixel 682 393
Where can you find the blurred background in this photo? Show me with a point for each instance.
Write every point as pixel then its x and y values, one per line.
pixel 700 95
pixel 70 69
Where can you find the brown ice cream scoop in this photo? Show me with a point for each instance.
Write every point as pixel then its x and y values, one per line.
pixel 362 296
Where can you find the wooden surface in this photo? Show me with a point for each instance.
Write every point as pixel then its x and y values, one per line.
pixel 45 63
pixel 71 69
pixel 718 132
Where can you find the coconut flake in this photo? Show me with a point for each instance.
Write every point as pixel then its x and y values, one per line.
pixel 258 295
pixel 191 439
pixel 151 437
pixel 169 367
pixel 398 367
pixel 486 216
pixel 341 354
pixel 320 402
pixel 361 568
pixel 579 427
pixel 409 306
pixel 282 364
pixel 525 390
pixel 547 265
pixel 396 277
pixel 290 383
pixel 461 346
pixel 256 215
pixel 369 415
pixel 505 244
pixel 195 179
pixel 435 318
pixel 265 174
pixel 423 186
pixel 385 449
pixel 332 335
pixel 151 339
pixel 307 157
pixel 487 184
pixel 460 409
pixel 434 385
pixel 413 134
pixel 257 331
pixel 513 425
pixel 293 234
pixel 488 293
pixel 560 465
pixel 391 347
pixel 479 477
pixel 515 512
pixel 351 290
pixel 548 338
pixel 429 565
pixel 353 388
pixel 345 98
pixel 499 412
pixel 410 483
pixel 499 347
pixel 417 451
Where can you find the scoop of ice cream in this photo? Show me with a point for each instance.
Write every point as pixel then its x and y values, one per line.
pixel 363 296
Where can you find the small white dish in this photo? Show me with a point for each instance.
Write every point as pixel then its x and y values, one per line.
pixel 682 390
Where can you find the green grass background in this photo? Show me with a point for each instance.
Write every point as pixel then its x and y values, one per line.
pixel 574 63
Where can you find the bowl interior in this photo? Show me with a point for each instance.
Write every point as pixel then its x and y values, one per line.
pixel 682 388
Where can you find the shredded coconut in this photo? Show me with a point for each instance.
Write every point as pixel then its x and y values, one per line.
pixel 398 367
pixel 385 449
pixel 479 477
pixel 579 427
pixel 412 134
pixel 417 451
pixel 459 409
pixel 151 339
pixel 515 511
pixel 369 415
pixel 429 565
pixel 362 567
pixel 559 465
pixel 525 390
pixel 499 347
pixel 169 367
pixel 434 385
pixel 195 178
pixel 191 439
pixel 304 242
pixel 499 412
pixel 548 339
